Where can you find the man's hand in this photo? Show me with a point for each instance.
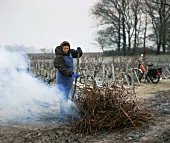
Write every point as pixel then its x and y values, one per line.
pixel 75 75
pixel 79 50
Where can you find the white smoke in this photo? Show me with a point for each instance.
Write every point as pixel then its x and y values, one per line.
pixel 22 48
pixel 21 94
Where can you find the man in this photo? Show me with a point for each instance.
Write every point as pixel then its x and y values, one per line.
pixel 65 75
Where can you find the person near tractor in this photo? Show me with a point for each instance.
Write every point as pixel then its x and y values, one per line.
pixel 65 74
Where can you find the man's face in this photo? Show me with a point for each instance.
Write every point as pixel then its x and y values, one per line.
pixel 65 49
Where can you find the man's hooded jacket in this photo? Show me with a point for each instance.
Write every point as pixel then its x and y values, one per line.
pixel 60 62
pixel 65 68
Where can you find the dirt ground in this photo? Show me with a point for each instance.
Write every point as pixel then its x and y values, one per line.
pixel 147 90
pixel 52 128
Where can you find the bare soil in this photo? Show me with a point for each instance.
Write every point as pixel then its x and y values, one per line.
pixel 52 128
pixel 147 89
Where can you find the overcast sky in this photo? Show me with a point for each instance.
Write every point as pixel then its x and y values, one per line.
pixel 46 23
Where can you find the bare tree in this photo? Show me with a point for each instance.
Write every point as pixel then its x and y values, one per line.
pixel 144 37
pixel 120 21
pixel 104 38
pixel 168 36
pixel 129 26
pixel 109 15
pixel 136 10
pixel 159 11
pixel 123 23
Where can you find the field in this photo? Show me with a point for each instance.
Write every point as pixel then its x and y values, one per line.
pixel 51 127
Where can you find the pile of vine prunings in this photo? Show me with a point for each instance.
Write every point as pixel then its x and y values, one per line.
pixel 102 109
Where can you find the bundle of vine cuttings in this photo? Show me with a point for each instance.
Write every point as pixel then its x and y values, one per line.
pixel 106 109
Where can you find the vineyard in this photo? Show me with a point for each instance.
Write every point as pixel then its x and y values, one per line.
pixel 100 71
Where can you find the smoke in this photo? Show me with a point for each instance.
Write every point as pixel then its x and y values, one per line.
pixel 21 48
pixel 23 96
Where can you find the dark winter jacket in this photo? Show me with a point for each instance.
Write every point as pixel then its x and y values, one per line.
pixel 59 61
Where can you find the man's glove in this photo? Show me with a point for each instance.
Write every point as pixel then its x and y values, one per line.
pixel 79 50
pixel 75 75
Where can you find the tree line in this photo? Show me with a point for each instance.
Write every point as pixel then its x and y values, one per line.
pixel 129 27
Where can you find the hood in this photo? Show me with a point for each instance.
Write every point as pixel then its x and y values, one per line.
pixel 59 51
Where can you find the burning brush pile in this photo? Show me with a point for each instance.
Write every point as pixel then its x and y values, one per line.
pixel 106 109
